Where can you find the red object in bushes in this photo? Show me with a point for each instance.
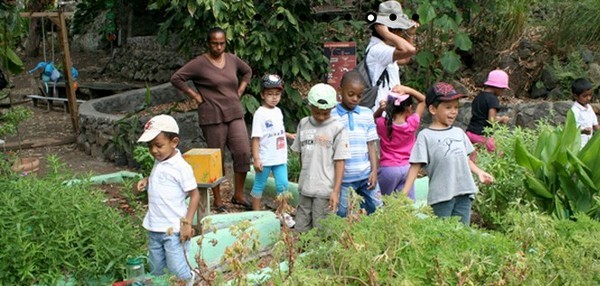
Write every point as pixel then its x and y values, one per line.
pixel 120 283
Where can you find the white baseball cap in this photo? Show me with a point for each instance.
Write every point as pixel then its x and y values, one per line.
pixel 158 124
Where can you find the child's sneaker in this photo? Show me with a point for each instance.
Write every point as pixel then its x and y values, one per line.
pixel 192 280
pixel 288 220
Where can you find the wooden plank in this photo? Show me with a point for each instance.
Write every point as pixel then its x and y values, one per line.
pixel 37 143
pixel 64 40
pixel 44 14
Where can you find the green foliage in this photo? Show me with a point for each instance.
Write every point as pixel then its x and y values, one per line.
pixel 53 231
pixel 141 154
pixel 577 24
pixel 276 36
pixel 11 28
pixel 567 71
pixel 560 176
pixel 558 252
pixel 444 36
pixel 493 201
pixel 397 246
pixel 10 120
pixel 294 166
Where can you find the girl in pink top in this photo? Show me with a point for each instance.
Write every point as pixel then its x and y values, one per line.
pixel 397 130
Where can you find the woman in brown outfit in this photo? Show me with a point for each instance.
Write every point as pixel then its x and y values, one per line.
pixel 220 113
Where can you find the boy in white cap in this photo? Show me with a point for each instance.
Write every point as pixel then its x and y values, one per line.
pixel 171 180
pixel 323 145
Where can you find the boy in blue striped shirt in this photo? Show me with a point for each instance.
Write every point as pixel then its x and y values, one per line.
pixel 360 171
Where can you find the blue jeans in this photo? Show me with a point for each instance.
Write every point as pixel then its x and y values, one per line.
pixel 166 251
pixel 280 172
pixel 458 206
pixel 372 198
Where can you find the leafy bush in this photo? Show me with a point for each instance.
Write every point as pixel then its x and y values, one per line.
pixel 52 231
pixel 294 166
pixel 10 120
pixel 558 252
pixel 275 36
pixel 563 179
pixel 566 72
pixel 493 201
pixel 396 247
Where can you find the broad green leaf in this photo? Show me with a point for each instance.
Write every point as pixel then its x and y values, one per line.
pixel 445 23
pixel 426 13
pixel 15 65
pixel 537 187
pixel 425 58
pixel 559 210
pixel 571 134
pixel 569 187
pixel 589 156
pixel 462 41
pixel 450 61
pixel 192 8
pixel 524 158
pixel 581 170
pixel 291 19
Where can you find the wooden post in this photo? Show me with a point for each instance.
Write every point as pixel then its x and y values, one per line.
pixel 70 88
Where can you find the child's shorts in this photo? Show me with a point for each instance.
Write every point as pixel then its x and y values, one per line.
pixel 166 251
pixel 280 172
pixel 310 211
pixel 458 206
pixel 372 198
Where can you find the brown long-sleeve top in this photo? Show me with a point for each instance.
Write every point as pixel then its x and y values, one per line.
pixel 218 87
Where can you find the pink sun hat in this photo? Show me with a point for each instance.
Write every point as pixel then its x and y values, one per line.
pixel 497 78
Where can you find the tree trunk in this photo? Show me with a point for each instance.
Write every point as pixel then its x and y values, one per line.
pixel 32 48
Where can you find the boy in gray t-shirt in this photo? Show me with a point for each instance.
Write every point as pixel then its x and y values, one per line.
pixel 323 145
pixel 443 150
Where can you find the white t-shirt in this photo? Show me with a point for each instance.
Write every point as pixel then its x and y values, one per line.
pixel 268 126
pixel 584 118
pixel 168 185
pixel 379 58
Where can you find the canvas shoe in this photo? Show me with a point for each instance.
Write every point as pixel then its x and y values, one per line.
pixel 192 280
pixel 288 220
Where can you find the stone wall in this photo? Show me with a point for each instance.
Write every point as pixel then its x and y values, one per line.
pixel 99 120
pixel 145 59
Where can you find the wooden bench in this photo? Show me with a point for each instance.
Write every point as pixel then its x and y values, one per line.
pixel 49 101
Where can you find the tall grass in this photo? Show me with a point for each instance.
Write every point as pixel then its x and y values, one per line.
pixel 577 24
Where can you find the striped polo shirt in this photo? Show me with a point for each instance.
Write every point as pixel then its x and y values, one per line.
pixel 361 129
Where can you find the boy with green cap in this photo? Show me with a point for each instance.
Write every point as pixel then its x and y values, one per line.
pixel 323 145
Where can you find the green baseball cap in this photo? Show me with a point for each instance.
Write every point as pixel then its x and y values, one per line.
pixel 322 96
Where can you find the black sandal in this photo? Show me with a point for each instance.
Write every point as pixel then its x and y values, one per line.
pixel 245 204
pixel 221 209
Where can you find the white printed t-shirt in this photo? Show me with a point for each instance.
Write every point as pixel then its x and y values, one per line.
pixel 168 186
pixel 584 118
pixel 268 126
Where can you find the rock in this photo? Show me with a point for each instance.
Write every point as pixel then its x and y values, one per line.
pixel 525 53
pixel 538 90
pixel 529 113
pixel 459 87
pixel 594 73
pixel 586 55
pixel 548 78
pixel 557 93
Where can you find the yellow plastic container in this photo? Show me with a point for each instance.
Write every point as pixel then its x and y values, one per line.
pixel 206 163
